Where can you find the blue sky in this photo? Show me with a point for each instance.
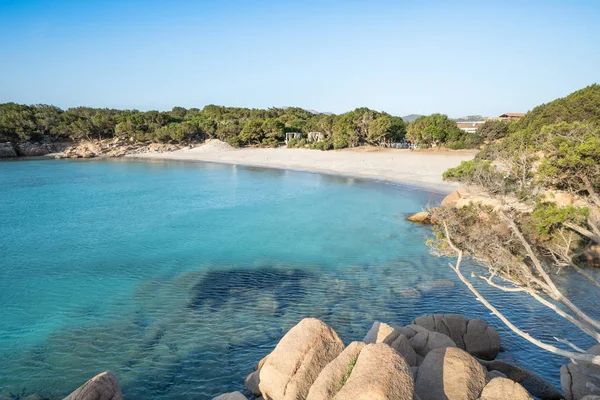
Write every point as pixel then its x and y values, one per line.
pixel 458 58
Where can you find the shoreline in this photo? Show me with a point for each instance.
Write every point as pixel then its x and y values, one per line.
pixel 444 189
pixel 414 169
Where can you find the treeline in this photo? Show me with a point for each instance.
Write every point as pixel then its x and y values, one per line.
pixel 238 126
pixel 438 130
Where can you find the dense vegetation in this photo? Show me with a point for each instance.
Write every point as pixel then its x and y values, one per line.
pixel 439 130
pixel 555 146
pixel 538 208
pixel 493 130
pixel 238 126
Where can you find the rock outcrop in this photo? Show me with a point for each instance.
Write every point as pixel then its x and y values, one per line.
pixel 581 379
pixel 402 345
pixel 451 199
pixel 231 396
pixel 297 360
pixel 534 384
pixel 424 342
pixel 426 360
pixel 450 374
pixel 7 150
pixel 381 332
pixel 29 149
pixel 104 386
pixel 115 148
pixel 423 217
pixel 472 335
pixel 335 374
pixel 503 389
pixel 380 373
pixel 252 383
pixel 591 256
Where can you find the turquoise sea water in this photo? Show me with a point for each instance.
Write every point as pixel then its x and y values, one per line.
pixel 179 277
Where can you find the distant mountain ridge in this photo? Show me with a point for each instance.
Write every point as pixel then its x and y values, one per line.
pixel 469 118
pixel 411 117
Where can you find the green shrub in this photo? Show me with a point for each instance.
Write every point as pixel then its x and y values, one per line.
pixel 349 369
pixel 493 130
pixel 295 142
pixel 322 145
pixel 466 171
pixel 270 142
pixel 547 216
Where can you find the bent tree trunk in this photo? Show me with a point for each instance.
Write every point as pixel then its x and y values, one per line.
pixel 579 356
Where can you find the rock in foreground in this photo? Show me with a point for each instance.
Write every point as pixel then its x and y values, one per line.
pixel 534 384
pixel 450 374
pixel 503 388
pixel 581 379
pixel 231 396
pixel 420 361
pixel 380 373
pixel 472 335
pixel 335 374
pixel 297 360
pixel 104 386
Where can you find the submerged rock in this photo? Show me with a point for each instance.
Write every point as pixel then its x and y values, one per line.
pixel 104 386
pixel 435 286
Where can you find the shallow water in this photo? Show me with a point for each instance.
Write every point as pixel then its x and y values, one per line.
pixel 179 277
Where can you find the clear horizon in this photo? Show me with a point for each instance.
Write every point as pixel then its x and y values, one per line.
pixel 459 59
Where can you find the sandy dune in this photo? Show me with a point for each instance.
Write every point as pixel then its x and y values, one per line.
pixel 412 167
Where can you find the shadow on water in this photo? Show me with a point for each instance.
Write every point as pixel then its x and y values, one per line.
pixel 217 287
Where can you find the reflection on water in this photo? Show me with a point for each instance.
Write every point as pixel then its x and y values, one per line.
pixel 179 279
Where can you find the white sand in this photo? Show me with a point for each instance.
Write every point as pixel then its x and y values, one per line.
pixel 413 167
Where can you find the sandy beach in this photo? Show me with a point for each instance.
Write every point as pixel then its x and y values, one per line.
pixel 412 167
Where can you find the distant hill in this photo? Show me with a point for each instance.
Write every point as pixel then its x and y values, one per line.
pixel 411 117
pixel 469 118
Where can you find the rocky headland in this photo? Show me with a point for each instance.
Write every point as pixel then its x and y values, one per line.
pixel 84 149
pixel 441 356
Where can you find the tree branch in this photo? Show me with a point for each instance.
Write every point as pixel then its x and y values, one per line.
pixel 553 349
pixel 584 232
pixel 540 269
pixel 585 328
